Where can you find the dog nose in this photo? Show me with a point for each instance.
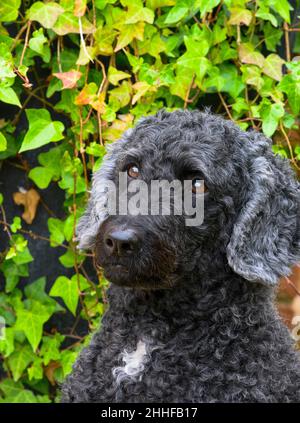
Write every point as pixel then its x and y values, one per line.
pixel 121 242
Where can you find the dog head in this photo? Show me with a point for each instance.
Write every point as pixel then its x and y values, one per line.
pixel 250 198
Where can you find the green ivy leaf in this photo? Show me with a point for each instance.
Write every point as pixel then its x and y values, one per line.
pixel 67 360
pixel 7 343
pixel 8 95
pixel 36 43
pixel 6 64
pixel 198 47
pixel 280 151
pixel 15 300
pixel 19 251
pixel 35 371
pixel 219 34
pixel 32 319
pixel 9 10
pixel 11 282
pixel 194 58
pixel 282 7
pixel 214 82
pixel 67 183
pixel 223 53
pixel 16 225
pixel 22 69
pixel 16 393
pixel 96 149
pixel 272 36
pixel 69 227
pixel 288 120
pixel 12 273
pixel 68 259
pixel 233 82
pixel 56 229
pixel 100 4
pixel 36 291
pixel 41 130
pixel 3 142
pixel 161 53
pixel 290 84
pixel 152 43
pixel 137 13
pixel 67 289
pixel 23 257
pixel 54 86
pixel 206 6
pixel 51 159
pixel 41 176
pixel 176 14
pixel 263 13
pixel 19 360
pixel 271 114
pixel 13 145
pixel 39 44
pixel 50 348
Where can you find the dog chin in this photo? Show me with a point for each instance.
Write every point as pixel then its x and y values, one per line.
pixel 117 274
pixel 120 275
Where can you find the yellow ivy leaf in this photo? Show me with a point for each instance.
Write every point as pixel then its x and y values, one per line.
pixel 239 16
pixel 128 33
pixel 115 75
pixel 247 54
pixel 273 66
pixel 79 8
pixel 141 88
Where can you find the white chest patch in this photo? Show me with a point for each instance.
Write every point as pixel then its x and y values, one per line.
pixel 134 363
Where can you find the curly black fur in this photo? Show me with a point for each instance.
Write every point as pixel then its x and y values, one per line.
pixel 210 327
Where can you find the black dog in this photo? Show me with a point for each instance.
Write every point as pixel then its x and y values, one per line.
pixel 191 315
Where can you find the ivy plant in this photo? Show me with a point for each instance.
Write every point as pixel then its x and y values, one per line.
pixel 94 67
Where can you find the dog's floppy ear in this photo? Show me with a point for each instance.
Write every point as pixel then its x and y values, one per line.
pixel 96 211
pixel 265 240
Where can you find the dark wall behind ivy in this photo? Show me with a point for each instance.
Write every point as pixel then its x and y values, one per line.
pixel 74 74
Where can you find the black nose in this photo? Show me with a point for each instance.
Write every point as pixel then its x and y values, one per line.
pixel 121 242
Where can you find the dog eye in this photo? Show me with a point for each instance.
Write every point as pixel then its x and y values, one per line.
pixel 133 171
pixel 198 186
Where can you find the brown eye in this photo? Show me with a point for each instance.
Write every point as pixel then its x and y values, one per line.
pixel 198 186
pixel 133 171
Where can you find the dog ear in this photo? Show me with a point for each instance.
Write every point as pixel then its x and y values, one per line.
pixel 96 211
pixel 265 241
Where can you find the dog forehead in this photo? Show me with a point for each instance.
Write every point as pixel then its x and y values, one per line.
pixel 174 147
